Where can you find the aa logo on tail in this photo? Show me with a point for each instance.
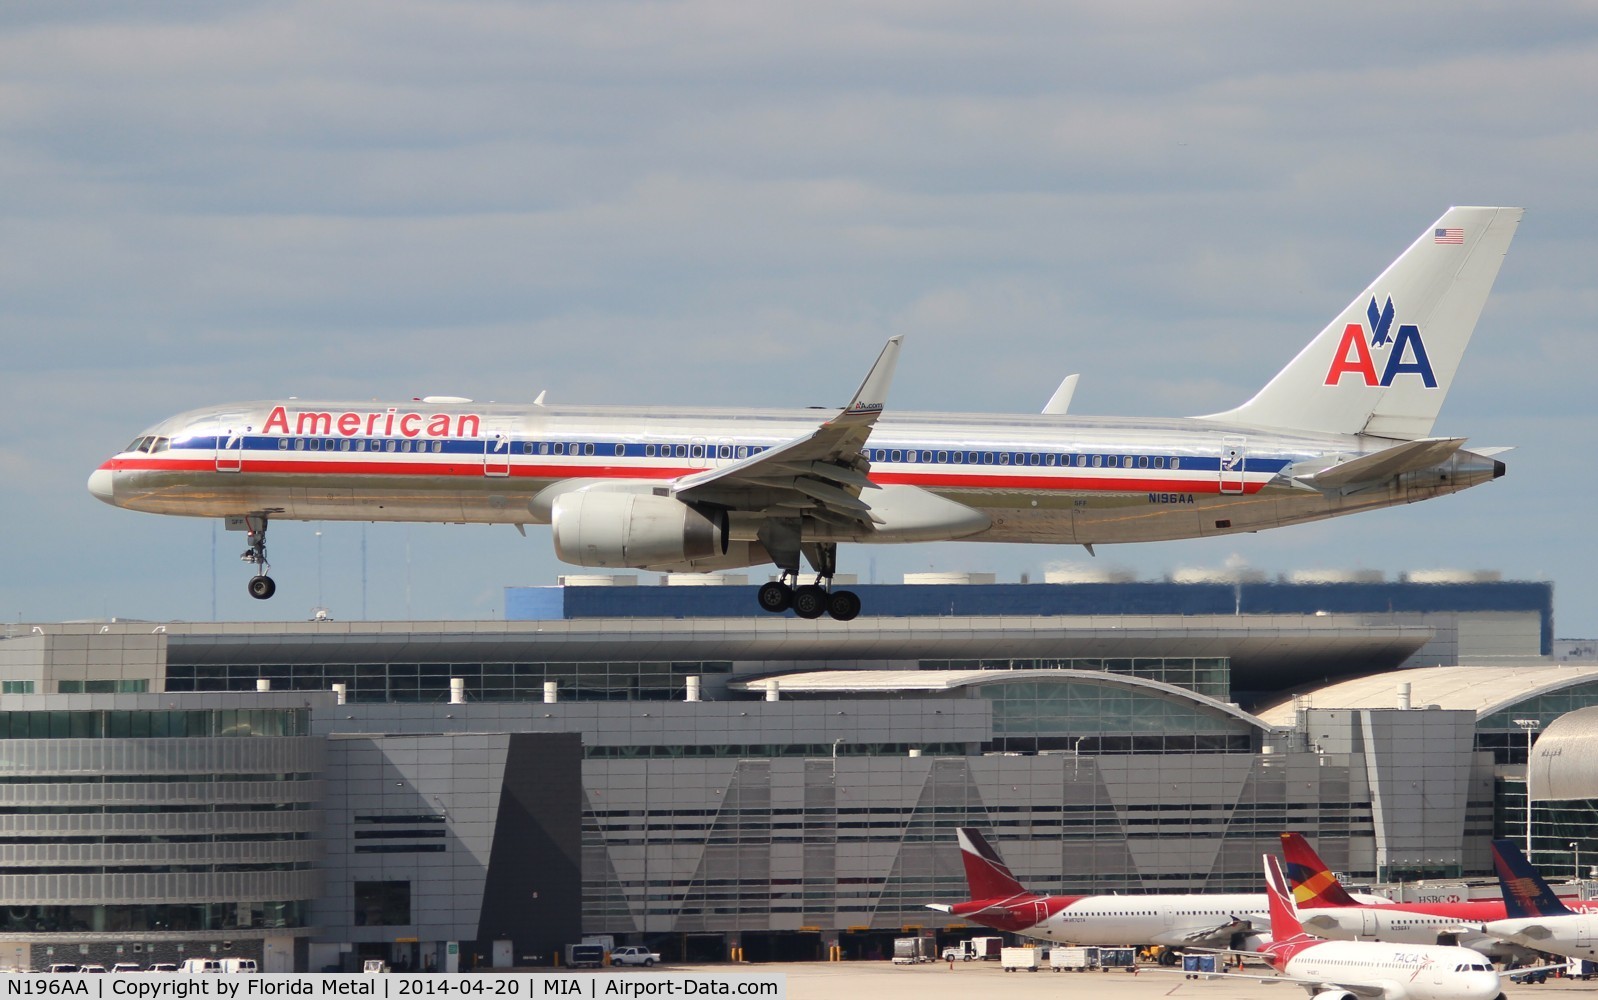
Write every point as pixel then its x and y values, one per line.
pixel 1406 352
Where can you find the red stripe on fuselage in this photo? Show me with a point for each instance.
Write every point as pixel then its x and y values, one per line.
pixel 1013 913
pixel 384 465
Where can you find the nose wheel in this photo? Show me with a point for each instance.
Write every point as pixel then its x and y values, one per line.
pixel 261 586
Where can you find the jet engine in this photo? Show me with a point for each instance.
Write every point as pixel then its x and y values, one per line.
pixel 641 531
pixel 1335 995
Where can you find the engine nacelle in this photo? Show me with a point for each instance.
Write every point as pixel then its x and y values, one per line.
pixel 639 531
pixel 1335 995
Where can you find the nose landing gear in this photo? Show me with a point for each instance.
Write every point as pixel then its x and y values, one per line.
pixel 261 586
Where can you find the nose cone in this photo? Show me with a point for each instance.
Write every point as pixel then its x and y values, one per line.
pixel 101 482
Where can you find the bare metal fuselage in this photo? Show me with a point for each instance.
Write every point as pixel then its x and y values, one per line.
pixel 1036 478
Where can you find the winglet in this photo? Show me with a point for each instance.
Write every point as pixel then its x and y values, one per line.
pixel 1525 892
pixel 872 395
pixel 1060 402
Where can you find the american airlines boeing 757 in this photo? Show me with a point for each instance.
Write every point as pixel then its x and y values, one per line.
pixel 1345 427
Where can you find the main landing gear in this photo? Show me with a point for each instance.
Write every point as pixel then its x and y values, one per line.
pixel 261 586
pixel 811 600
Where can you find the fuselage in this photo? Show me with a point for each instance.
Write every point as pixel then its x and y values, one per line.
pixel 1415 923
pixel 1220 920
pixel 1412 972
pixel 1573 935
pixel 1037 478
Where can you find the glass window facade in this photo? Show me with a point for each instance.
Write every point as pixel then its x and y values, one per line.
pixel 152 725
pixel 1082 716
pixel 429 682
pixel 1206 675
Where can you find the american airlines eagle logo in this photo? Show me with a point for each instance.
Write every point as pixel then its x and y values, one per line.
pixel 1357 352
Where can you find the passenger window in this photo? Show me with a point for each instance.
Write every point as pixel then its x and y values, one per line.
pixel 438 446
pixel 682 451
pixel 697 451
pixel 282 444
pixel 360 445
pixel 1098 460
pixel 405 445
pixel 621 450
pixel 1004 458
pixel 1034 459
pixel 743 451
pixel 559 447
pixel 943 456
pixel 1176 463
pixel 649 451
pixel 299 444
pixel 1159 461
pixel 344 445
pixel 1126 463
pixel 1142 461
pixel 388 446
pixel 723 451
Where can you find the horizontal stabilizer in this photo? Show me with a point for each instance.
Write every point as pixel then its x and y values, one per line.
pixel 1386 464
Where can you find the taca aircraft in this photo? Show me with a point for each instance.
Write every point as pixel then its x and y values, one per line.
pixel 1174 920
pixel 1345 427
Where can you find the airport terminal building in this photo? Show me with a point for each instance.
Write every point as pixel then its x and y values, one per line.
pixel 456 794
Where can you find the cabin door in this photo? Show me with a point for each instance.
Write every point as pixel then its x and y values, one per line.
pixel 1234 463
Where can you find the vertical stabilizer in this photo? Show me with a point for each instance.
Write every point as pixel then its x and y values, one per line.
pixel 1525 892
pixel 1385 364
pixel 1313 883
pixel 987 876
pixel 1288 936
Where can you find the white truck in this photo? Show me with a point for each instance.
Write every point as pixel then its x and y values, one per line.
pixel 1014 959
pixel 971 949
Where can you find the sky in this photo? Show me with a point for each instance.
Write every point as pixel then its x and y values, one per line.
pixel 719 202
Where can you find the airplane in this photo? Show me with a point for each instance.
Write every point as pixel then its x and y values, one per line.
pixel 1327 909
pixel 1345 427
pixel 1350 970
pixel 1174 920
pixel 1536 917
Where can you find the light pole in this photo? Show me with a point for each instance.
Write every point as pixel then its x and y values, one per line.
pixel 835 757
pixel 1530 726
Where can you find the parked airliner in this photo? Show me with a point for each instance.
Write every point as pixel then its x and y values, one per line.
pixel 1345 427
pixel 1184 920
pixel 1340 916
pixel 1351 970
pixel 1536 917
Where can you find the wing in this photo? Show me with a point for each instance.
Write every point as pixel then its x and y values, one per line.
pixel 820 475
pixel 1214 938
pixel 1311 986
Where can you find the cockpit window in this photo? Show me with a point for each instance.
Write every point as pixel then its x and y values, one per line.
pixel 160 444
pixel 141 443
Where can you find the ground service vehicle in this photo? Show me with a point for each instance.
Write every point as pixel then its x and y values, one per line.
pixel 633 955
pixel 585 956
pixel 1023 957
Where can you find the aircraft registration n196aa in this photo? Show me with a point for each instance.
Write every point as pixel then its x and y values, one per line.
pixel 1345 427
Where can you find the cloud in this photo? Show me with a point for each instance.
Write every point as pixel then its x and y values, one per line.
pixel 710 202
